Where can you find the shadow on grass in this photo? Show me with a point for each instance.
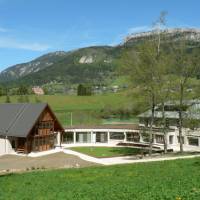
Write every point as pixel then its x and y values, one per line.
pixel 129 151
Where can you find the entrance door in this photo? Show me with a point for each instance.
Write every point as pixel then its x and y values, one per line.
pixel 21 145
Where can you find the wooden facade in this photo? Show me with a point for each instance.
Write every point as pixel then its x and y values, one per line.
pixel 42 136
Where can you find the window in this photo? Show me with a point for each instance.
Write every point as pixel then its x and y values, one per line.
pixel 193 141
pixel 116 136
pixel 171 139
pixel 46 125
pixel 133 137
pixel 159 139
pixel 101 137
pixel 83 137
pixel 145 137
pixel 178 138
pixel 68 137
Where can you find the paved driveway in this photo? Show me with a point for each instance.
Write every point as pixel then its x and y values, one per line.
pixel 56 160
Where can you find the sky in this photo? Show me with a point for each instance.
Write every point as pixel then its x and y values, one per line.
pixel 31 28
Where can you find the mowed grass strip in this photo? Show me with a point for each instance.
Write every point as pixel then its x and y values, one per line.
pixel 103 152
pixel 166 180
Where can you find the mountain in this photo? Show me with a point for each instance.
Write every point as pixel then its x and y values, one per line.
pixel 21 70
pixel 96 65
pixel 175 34
pixel 86 65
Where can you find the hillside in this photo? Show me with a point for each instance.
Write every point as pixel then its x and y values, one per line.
pixel 94 65
pixel 21 70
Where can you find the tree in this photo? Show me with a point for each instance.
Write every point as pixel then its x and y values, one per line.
pixel 163 79
pixel 84 90
pixel 147 67
pixel 22 90
pixel 142 67
pixel 1 91
pixel 185 66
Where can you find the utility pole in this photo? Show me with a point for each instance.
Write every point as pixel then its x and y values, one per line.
pixel 71 118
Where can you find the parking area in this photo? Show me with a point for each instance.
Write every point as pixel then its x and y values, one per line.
pixel 56 160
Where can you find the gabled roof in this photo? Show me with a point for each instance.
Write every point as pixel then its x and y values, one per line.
pixel 18 119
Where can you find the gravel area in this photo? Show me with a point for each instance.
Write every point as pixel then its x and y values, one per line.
pixel 56 160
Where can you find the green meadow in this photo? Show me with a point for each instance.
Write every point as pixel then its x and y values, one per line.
pixel 166 180
pixel 84 109
pixel 72 102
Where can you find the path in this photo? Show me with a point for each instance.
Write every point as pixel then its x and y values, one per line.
pixel 124 159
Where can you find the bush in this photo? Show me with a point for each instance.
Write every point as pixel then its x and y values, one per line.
pixel 84 90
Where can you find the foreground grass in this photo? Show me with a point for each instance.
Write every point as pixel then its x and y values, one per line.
pixel 101 152
pixel 168 180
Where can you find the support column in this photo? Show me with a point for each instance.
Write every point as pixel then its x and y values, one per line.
pixel 186 140
pixel 141 138
pixel 59 139
pixel 154 138
pixel 6 145
pixel 108 135
pixel 176 138
pixel 125 137
pixel 91 137
pixel 74 137
pixel 94 137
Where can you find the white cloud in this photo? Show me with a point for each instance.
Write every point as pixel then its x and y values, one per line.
pixel 15 44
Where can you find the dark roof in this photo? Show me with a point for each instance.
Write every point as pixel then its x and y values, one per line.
pixel 18 119
pixel 192 112
pixel 106 126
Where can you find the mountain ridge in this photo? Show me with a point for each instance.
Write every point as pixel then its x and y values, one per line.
pixel 89 64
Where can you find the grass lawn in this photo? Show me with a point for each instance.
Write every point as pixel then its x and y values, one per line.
pixel 77 103
pixel 85 109
pixel 167 180
pixel 101 152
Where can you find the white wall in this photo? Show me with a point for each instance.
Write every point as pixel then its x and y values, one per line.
pixel 58 139
pixel 5 146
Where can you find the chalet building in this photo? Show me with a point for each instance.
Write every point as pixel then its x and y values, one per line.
pixel 27 127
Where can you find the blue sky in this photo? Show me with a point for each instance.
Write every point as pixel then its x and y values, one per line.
pixel 30 28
